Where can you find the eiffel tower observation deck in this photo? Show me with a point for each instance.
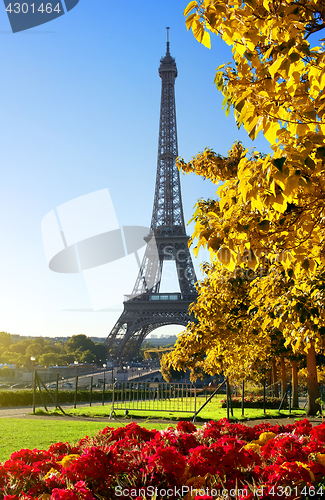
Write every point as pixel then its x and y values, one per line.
pixel 146 309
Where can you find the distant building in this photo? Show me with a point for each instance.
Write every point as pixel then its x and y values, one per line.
pixel 160 341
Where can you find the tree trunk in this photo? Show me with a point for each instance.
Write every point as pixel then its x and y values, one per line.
pixel 283 375
pixel 275 378
pixel 312 383
pixel 294 366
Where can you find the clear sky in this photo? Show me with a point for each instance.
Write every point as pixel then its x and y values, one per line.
pixel 80 101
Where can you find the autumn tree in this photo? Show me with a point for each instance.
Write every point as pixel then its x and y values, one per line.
pixel 296 308
pixel 223 339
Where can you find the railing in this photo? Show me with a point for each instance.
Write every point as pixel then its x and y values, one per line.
pixel 162 297
pixel 154 396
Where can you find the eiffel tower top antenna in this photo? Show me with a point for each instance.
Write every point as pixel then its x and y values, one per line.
pixel 167 52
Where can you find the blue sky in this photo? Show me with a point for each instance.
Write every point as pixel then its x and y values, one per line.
pixel 80 103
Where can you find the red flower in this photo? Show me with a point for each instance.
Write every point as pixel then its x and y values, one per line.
pixel 187 427
pixel 303 427
pixel 78 492
pixel 168 459
pixel 94 464
pixel 59 450
pixel 317 433
pixel 63 495
pixel 282 448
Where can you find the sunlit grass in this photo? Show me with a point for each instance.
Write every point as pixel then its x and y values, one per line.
pixel 17 433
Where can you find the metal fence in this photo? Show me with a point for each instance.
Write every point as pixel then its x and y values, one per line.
pixel 154 396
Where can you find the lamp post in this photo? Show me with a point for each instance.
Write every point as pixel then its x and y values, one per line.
pixel 32 358
pixel 76 363
pixel 76 385
pixel 112 359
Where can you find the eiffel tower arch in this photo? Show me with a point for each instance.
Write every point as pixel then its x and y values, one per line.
pixel 146 308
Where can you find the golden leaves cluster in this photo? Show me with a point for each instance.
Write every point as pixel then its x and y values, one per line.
pixel 277 87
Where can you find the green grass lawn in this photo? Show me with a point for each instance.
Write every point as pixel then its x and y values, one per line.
pixel 212 411
pixel 17 433
pixel 24 433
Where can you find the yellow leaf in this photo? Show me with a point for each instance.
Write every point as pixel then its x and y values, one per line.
pixel 225 257
pixel 200 34
pixel 270 132
pixel 190 6
pixel 206 40
pixel 189 20
pixel 275 66
pixel 280 204
pixel 266 5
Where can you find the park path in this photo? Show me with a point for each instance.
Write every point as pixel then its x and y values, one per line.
pixel 27 412
pixel 15 412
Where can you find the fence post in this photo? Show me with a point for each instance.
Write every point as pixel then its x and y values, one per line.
pixel 57 390
pixel 290 396
pixel 75 392
pixel 91 390
pixel 230 402
pixel 34 392
pixel 227 397
pixel 242 398
pixel 264 396
pixel 113 395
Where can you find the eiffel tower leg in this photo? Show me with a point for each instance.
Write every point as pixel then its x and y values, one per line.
pixel 126 337
pixel 117 334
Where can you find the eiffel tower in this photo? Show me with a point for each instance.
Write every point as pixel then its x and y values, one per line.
pixel 147 309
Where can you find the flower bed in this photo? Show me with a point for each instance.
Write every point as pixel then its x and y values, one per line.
pixel 255 402
pixel 216 460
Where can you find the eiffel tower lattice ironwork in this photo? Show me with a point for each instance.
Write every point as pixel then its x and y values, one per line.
pixel 147 309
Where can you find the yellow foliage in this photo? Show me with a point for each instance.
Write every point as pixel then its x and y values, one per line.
pixel 277 88
pixel 221 339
